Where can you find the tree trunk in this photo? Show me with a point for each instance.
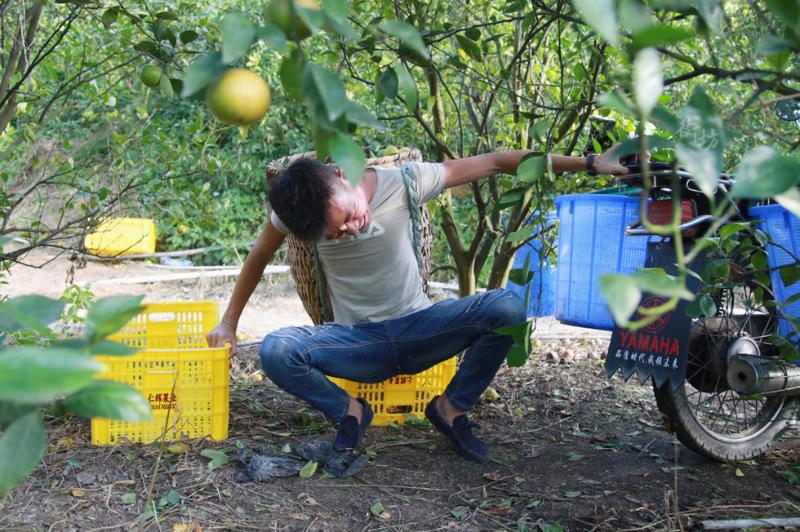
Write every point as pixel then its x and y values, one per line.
pixel 20 54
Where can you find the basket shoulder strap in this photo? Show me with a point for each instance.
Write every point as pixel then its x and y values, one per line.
pixel 414 211
pixel 324 298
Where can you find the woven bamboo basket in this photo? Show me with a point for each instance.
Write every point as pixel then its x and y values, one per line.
pixel 301 262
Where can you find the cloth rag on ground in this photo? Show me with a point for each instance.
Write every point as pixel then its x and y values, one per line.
pixel 261 466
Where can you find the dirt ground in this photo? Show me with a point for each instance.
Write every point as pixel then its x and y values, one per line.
pixel 572 450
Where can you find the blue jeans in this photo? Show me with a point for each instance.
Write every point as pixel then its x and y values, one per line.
pixel 298 359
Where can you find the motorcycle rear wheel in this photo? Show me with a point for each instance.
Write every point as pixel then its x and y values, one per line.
pixel 704 413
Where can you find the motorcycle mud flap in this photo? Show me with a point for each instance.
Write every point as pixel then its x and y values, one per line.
pixel 661 349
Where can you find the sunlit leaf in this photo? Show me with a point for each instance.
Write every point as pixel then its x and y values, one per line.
pixel 764 173
pixel 109 314
pixel 647 79
pixel 701 141
pixel 348 155
pixel 40 374
pixel 407 34
pixel 622 295
pixel 29 312
pixel 109 399
pixel 601 15
pixel 204 70
pixel 327 87
pixel 407 87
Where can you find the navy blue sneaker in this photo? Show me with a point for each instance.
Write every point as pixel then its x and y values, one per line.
pixel 460 434
pixel 350 431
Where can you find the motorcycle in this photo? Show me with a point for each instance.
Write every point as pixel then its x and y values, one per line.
pixel 719 379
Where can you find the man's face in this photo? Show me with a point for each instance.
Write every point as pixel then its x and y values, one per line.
pixel 348 211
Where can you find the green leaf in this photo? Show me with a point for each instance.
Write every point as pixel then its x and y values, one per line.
pixel 204 70
pixel 633 145
pixel 790 200
pixel 238 33
pixel 218 458
pixel 511 197
pixel 770 44
pixel 656 281
pixel 377 509
pixel 790 476
pixel 189 36
pixel 10 411
pixel 388 83
pixel 701 141
pixel 764 173
pixel 622 295
pixel 107 315
pixel 109 399
pixel 275 38
pixel 165 84
pixel 634 14
pixel 40 374
pixel 406 86
pixel 470 47
pixel 532 168
pixel 523 234
pixel 343 28
pixel 707 305
pixel 337 9
pixel 517 356
pixel 308 470
pixel 128 498
pixel 291 73
pixel 326 87
pixel 110 16
pixel 666 120
pixel 29 312
pixel 407 34
pixel 109 348
pixel 790 274
pixel 348 155
pixel 659 35
pixel 647 79
pixel 22 446
pixel 572 494
pixel 601 15
pixel 619 102
pixel 787 11
pixel 172 498
pixel 711 13
pixel 358 114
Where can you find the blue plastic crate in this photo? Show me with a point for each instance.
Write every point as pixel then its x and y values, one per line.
pixel 543 287
pixel 592 242
pixel 784 228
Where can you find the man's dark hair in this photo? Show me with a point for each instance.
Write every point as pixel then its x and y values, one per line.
pixel 300 197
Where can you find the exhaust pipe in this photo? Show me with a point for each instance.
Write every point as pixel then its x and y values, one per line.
pixel 750 375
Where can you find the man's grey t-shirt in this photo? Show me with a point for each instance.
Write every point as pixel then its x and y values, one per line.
pixel 374 276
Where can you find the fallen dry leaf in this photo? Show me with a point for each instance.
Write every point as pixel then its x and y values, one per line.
pixel 494 476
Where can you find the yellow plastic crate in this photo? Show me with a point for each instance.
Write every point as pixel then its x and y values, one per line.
pixel 122 236
pixel 393 399
pixel 186 382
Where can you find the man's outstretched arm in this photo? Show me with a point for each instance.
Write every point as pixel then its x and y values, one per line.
pixel 469 169
pixel 260 254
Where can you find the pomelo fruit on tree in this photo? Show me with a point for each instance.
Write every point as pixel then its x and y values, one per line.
pixel 239 97
pixel 150 75
pixel 279 12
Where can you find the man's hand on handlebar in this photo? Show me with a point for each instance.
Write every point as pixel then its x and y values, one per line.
pixel 608 163
pixel 223 334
